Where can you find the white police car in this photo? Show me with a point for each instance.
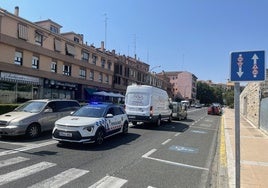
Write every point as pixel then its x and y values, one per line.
pixel 91 123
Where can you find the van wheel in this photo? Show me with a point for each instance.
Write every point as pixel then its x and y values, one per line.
pixel 33 131
pixel 158 122
pixel 170 119
pixel 99 137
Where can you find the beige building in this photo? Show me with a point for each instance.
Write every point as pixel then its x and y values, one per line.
pixel 38 61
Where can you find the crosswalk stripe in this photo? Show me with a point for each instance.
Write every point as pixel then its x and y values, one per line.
pixel 60 179
pixel 21 173
pixel 26 148
pixel 12 161
pixel 109 182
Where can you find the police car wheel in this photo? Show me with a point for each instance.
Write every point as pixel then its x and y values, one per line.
pixel 125 128
pixel 99 137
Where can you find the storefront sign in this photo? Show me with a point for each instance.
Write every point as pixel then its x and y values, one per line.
pixel 18 77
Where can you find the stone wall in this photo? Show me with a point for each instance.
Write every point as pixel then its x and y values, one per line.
pixel 250 102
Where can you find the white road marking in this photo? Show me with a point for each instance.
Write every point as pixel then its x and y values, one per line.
pixel 177 134
pixel 146 155
pixel 167 141
pixel 109 182
pixel 26 148
pixel 21 173
pixel 12 161
pixel 60 179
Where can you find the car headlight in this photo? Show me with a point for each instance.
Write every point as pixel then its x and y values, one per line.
pixel 89 128
pixel 14 124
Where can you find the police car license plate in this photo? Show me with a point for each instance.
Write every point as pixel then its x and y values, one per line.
pixel 65 134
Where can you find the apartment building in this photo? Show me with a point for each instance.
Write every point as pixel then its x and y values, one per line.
pixel 183 85
pixel 38 61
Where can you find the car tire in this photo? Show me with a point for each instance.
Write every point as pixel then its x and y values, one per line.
pixel 170 119
pixel 33 131
pixel 158 122
pixel 125 128
pixel 99 137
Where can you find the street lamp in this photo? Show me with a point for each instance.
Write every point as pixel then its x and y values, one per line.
pixel 155 68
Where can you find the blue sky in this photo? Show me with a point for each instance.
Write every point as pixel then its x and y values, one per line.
pixel 178 35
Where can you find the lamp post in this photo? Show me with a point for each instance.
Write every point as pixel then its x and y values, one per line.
pixel 154 68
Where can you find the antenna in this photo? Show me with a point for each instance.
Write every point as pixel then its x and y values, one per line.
pixel 105 29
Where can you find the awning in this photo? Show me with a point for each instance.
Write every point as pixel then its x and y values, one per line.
pixel 108 94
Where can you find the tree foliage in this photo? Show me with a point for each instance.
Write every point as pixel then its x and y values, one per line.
pixel 207 94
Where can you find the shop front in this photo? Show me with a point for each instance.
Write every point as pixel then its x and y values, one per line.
pixel 59 90
pixel 17 88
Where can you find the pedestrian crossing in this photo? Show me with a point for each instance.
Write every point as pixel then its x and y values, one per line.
pixel 59 180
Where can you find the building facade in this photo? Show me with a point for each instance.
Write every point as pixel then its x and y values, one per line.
pixel 183 85
pixel 38 61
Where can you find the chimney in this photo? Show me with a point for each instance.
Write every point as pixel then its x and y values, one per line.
pixel 102 46
pixel 16 11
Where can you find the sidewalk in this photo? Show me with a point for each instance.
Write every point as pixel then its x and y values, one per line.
pixel 253 152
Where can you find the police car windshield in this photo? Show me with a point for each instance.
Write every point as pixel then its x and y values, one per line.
pixel 90 111
pixel 31 106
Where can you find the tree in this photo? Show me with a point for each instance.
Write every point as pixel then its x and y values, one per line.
pixel 207 94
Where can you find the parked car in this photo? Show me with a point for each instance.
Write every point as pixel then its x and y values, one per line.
pixel 215 109
pixel 198 105
pixel 35 116
pixel 91 123
pixel 179 111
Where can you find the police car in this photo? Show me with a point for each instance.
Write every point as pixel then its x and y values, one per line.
pixel 91 123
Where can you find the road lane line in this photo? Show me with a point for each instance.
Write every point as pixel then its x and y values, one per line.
pixel 149 153
pixel 167 141
pixel 223 157
pixel 34 146
pixel 109 181
pixel 12 161
pixel 60 179
pixel 21 173
pixel 177 134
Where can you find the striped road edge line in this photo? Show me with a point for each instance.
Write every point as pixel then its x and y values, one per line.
pixel 146 155
pixel 223 157
pixel 60 179
pixel 21 173
pixel 109 182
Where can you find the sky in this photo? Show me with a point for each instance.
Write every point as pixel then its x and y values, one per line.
pixel 170 35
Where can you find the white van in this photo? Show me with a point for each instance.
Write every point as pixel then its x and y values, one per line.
pixel 145 103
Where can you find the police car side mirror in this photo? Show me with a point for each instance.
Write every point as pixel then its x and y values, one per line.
pixel 109 116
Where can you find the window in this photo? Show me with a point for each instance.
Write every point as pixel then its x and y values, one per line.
pixel 18 58
pixel 70 50
pixel 109 65
pixel 94 59
pixel 76 39
pixel 100 77
pixel 54 29
pixel 22 32
pixel 53 66
pixel 85 56
pixel 67 70
pixel 107 78
pixel 38 38
pixel 91 75
pixel 103 63
pixel 35 62
pixel 57 45
pixel 82 73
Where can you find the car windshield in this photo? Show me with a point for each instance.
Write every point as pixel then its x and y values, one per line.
pixel 31 106
pixel 90 111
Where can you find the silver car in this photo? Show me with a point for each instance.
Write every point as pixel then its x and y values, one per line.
pixel 35 116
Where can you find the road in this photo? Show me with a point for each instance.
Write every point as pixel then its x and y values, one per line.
pixel 177 154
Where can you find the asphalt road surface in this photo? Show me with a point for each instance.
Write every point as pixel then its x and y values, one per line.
pixel 177 154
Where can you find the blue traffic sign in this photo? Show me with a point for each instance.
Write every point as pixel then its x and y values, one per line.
pixel 248 66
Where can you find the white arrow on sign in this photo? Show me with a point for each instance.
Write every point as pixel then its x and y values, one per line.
pixel 240 64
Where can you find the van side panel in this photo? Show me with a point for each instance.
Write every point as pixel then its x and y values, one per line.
pixel 146 103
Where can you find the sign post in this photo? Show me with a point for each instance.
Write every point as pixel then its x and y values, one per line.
pixel 245 66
